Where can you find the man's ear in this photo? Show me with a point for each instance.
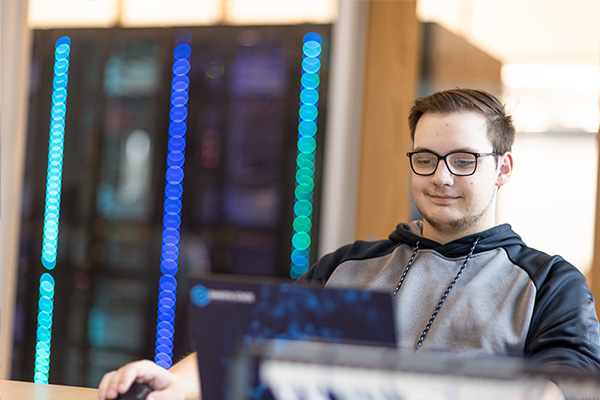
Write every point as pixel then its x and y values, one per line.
pixel 505 167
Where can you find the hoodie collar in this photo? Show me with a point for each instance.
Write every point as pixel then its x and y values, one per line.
pixel 498 236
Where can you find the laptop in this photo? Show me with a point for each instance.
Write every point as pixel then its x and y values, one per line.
pixel 229 311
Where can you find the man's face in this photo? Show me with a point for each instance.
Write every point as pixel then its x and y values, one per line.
pixel 456 206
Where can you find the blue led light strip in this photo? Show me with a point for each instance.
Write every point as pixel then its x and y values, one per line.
pixel 52 209
pixel 167 292
pixel 305 161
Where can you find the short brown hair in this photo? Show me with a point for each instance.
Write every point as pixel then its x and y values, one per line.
pixel 501 131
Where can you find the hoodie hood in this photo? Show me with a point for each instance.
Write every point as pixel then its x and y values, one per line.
pixel 498 236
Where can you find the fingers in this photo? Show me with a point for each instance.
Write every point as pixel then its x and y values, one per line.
pixel 119 381
pixel 107 387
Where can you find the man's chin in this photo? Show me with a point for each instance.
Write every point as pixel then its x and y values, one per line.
pixel 448 224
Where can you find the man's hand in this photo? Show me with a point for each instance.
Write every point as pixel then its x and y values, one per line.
pixel 165 384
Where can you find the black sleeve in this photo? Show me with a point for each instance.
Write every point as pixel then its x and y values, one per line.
pixel 320 271
pixel 564 330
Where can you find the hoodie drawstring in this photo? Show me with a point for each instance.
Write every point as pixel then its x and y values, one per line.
pixel 443 299
pixel 407 267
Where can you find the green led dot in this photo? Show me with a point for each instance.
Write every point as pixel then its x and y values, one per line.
pixel 303 171
pixel 306 183
pixel 302 158
pixel 306 186
pixel 302 224
pixel 306 163
pixel 301 240
pixel 300 195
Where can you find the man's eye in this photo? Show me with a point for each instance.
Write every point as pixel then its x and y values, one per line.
pixel 463 162
pixel 424 160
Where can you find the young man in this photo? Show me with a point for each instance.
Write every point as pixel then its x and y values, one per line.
pixel 461 283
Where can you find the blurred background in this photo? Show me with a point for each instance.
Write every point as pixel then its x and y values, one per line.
pixel 273 131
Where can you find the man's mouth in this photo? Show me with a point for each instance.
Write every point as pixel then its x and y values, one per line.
pixel 441 198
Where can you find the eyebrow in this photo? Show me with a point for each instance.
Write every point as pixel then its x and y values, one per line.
pixel 464 149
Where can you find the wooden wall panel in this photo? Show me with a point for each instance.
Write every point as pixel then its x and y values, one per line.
pixel 391 82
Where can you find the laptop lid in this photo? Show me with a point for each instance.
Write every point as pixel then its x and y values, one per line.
pixel 228 310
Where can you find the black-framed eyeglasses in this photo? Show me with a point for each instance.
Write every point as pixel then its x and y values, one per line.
pixel 459 163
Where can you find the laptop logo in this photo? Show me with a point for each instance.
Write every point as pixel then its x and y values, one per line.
pixel 202 296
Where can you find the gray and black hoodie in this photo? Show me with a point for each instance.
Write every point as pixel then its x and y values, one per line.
pixel 484 294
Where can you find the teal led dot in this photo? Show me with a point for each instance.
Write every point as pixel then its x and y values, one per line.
pixel 312 50
pixel 303 207
pixel 51 234
pixel 309 97
pixel 63 48
pixel 303 172
pixel 46 303
pixel 303 194
pixel 310 81
pixel 306 144
pixel 43 333
pixel 47 283
pixel 42 346
pixel 309 111
pixel 311 65
pixel 298 270
pixel 307 128
pixel 48 260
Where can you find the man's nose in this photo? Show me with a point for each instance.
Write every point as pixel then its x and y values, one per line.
pixel 442 175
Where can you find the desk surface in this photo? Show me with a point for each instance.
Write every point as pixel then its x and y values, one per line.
pixel 14 390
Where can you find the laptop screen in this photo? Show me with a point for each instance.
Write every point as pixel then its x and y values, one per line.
pixel 228 310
